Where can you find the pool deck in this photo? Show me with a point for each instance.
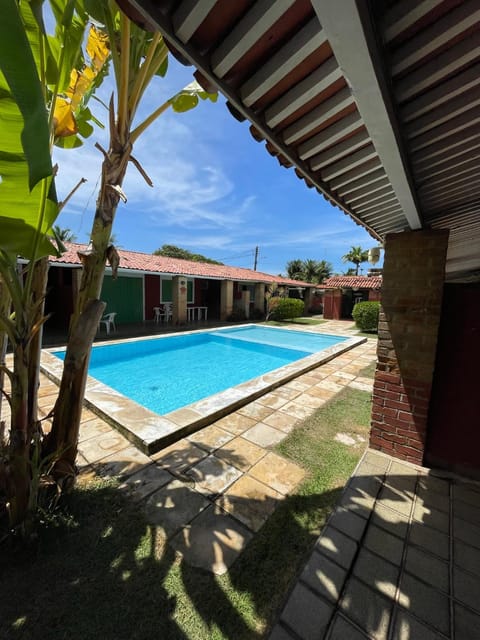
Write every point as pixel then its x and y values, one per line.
pixel 150 432
pixel 399 558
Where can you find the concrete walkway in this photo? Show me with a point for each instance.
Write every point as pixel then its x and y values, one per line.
pixel 398 559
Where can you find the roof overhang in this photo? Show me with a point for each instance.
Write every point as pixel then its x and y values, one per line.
pixel 375 104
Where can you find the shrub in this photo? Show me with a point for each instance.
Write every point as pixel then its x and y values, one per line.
pixel 287 308
pixel 366 315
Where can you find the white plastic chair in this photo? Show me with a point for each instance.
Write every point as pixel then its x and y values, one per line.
pixel 167 310
pixel 109 321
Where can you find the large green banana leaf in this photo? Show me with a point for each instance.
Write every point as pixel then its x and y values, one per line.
pixel 25 160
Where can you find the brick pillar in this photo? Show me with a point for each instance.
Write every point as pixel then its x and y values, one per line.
pixel 226 299
pixel 179 296
pixel 260 297
pixel 413 278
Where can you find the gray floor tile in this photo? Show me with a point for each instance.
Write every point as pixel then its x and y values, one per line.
pixel 342 629
pixel 348 522
pixel 367 608
pixel 396 499
pixel 427 567
pixel 324 576
pixel 390 520
pixel 430 539
pixel 357 502
pixel 307 614
pixel 280 633
pixel 377 573
pixel 467 623
pixel 467 493
pixel 376 460
pixel 337 546
pixel 367 485
pixel 432 483
pixel 467 532
pixel 432 517
pixel 145 482
pixel 466 588
pixel 425 602
pixel 466 511
pixel 466 557
pixel 384 544
pixel 409 628
pixel 433 500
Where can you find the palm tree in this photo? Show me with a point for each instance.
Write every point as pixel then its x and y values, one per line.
pixel 64 235
pixel 324 271
pixel 357 255
pixel 295 269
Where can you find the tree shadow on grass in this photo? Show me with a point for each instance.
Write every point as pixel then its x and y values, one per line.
pixel 113 576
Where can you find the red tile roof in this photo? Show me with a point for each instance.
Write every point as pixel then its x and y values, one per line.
pixel 149 263
pixel 353 282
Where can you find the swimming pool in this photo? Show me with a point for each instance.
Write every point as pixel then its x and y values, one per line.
pixel 166 373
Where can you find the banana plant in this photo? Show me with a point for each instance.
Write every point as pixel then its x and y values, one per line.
pixel 137 57
pixel 35 81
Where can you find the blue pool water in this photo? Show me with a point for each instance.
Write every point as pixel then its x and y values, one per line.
pixel 165 374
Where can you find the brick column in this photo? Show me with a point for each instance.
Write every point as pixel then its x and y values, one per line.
pixel 226 299
pixel 179 296
pixel 413 278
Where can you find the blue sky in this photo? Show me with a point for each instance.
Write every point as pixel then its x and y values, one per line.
pixel 216 191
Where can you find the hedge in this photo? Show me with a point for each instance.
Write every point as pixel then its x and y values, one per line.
pixel 366 315
pixel 287 308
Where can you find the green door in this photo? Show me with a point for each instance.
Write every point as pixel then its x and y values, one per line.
pixel 125 296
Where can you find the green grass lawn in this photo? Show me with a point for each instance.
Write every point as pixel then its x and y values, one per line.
pixel 282 323
pixel 105 575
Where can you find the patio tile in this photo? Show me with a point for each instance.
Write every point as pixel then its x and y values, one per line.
pixel 122 463
pixel 280 633
pixel 376 460
pixel 367 608
pixel 288 392
pixel 278 473
pixel 179 456
pixel 396 500
pixel 466 532
pixel 281 421
pixel 433 500
pixel 425 602
pixel 256 411
pixel 466 588
pixel 428 568
pixel 324 576
pixel 250 501
pixel 240 453
pixel 432 517
pixel 467 623
pixel 263 435
pixel 409 628
pixel 331 385
pixel 308 614
pixel 92 428
pixel 273 400
pixel 312 401
pixel 357 502
pixel 212 475
pixel 319 392
pixel 343 629
pixel 173 507
pixel 337 546
pixel 432 483
pixel 348 522
pixel 144 482
pixel 210 438
pixel 296 385
pixel 466 556
pixel 296 409
pixel 103 445
pixel 377 573
pixel 430 539
pixel 384 544
pixel 212 541
pixel 467 493
pixel 361 386
pixel 466 511
pixel 235 423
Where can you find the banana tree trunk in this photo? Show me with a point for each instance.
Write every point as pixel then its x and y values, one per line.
pixel 63 438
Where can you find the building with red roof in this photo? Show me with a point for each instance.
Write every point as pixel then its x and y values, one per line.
pixel 146 281
pixel 343 292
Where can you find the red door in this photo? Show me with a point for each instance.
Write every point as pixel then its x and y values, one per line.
pixel 453 437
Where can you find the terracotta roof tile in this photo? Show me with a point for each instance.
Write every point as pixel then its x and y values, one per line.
pixel 353 282
pixel 149 263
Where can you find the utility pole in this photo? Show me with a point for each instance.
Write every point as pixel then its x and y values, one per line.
pixel 256 259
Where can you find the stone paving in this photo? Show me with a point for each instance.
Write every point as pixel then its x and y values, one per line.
pixel 209 493
pixel 399 559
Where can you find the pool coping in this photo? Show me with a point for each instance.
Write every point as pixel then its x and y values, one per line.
pixel 149 431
